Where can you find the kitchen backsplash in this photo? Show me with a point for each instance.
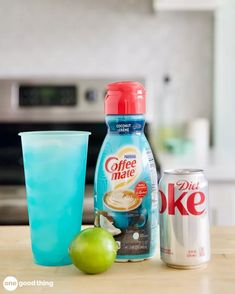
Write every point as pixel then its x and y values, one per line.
pixel 111 38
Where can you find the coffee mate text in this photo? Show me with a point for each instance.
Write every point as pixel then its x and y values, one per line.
pixel 187 202
pixel 120 169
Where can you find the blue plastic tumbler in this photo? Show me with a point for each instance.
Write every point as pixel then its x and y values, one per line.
pixel 55 169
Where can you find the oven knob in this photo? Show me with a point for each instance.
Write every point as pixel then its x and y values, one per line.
pixel 91 95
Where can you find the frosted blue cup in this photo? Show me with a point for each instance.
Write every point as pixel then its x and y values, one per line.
pixel 55 169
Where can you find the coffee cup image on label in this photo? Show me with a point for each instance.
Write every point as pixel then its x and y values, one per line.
pixel 121 200
pixel 125 209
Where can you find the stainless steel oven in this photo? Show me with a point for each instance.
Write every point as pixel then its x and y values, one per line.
pixel 47 104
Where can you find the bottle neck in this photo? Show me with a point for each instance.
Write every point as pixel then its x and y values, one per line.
pixel 125 124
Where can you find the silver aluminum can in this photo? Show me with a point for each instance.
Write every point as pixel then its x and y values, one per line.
pixel 184 218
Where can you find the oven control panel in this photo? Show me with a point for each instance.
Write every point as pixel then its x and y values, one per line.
pixel 58 99
pixel 47 95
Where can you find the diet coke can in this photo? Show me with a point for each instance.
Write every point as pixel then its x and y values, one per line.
pixel 184 219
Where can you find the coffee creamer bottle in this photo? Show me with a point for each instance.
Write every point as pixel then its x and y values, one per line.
pixel 125 189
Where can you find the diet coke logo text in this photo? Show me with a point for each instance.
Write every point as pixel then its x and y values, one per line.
pixel 120 169
pixel 189 199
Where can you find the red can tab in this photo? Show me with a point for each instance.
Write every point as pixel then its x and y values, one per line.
pixel 141 189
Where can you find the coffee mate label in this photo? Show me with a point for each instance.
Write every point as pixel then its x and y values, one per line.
pixel 126 197
pixel 123 168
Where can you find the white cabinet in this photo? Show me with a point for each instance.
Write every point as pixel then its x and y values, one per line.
pixel 222 203
pixel 187 4
pixel 224 86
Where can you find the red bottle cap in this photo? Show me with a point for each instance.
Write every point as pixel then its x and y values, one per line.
pixel 125 98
